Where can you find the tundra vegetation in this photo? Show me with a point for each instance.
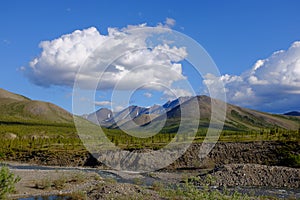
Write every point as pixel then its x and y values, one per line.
pixel 21 138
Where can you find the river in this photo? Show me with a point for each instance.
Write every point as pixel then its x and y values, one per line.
pixel 147 180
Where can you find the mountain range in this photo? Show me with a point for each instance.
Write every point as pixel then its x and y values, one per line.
pixel 237 118
pixel 139 115
pixel 16 108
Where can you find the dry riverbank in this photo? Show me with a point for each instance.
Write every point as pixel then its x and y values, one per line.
pixel 83 183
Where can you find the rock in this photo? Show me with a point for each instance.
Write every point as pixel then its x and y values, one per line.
pixel 10 136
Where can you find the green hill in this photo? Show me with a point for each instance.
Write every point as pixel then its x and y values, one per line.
pixel 20 109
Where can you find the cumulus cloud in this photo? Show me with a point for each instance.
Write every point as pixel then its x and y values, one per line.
pixel 119 59
pixel 272 83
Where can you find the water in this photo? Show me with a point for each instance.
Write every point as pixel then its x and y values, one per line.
pixel 102 173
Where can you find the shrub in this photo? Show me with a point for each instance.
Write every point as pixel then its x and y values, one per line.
pixel 78 178
pixel 60 183
pixel 292 160
pixel 7 182
pixel 43 184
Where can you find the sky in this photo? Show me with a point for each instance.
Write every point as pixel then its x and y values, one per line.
pixel 253 43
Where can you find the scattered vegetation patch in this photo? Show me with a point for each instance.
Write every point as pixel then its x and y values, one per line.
pixel 61 182
pixel 43 184
pixel 187 190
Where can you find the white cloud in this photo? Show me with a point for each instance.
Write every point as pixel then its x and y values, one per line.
pixel 90 51
pixel 272 83
pixel 147 94
pixel 102 103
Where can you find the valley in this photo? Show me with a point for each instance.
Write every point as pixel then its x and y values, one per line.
pixel 38 134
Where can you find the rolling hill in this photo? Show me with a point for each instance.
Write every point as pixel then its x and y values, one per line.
pixel 16 108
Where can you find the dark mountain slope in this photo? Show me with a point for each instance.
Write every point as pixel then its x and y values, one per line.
pixel 293 113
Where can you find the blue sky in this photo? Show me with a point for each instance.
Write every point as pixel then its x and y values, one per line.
pixel 236 34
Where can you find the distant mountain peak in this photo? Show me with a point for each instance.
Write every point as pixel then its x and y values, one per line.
pixel 237 118
pixel 292 113
pixel 104 109
pixel 171 104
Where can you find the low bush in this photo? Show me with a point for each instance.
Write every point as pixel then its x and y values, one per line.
pixel 291 160
pixel 7 182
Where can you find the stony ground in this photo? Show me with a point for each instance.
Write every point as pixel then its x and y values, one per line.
pixel 89 185
pixel 233 175
pixel 231 164
pixel 85 185
pixel 49 182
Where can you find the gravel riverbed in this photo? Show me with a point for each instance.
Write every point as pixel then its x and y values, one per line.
pixel 97 187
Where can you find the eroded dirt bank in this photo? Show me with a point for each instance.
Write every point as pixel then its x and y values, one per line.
pixel 265 153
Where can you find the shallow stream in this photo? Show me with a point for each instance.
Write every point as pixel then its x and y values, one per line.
pixel 147 180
